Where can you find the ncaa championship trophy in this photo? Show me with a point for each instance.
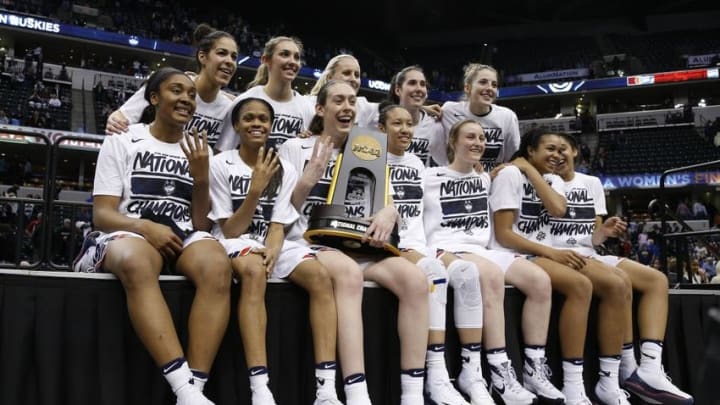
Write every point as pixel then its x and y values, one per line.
pixel 359 188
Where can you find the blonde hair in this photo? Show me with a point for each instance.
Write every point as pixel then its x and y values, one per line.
pixel 329 71
pixel 262 75
pixel 471 70
pixel 453 136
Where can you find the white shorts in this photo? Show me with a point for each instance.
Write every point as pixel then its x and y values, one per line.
pixel 291 254
pixel 500 258
pixel 94 247
pixel 612 261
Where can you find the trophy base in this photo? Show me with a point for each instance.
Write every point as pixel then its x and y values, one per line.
pixel 329 226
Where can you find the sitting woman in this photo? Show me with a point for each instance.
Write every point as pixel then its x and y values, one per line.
pixel 581 229
pixel 315 157
pixel 151 201
pixel 251 190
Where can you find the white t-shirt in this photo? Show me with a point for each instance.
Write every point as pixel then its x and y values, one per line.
pixel 145 173
pixel 208 116
pixel 511 190
pixel 406 175
pixel 500 125
pixel 230 179
pixel 428 142
pixel 585 201
pixel 291 118
pixel 457 217
pixel 297 152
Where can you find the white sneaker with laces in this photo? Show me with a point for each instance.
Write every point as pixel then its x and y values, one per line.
pixel 656 388
pixel 474 386
pixel 619 397
pixel 535 380
pixel 506 386
pixel 581 399
pixel 440 391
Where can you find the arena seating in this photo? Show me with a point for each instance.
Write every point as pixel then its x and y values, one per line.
pixel 654 150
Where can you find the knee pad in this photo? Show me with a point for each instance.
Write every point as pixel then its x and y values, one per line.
pixel 437 298
pixel 465 281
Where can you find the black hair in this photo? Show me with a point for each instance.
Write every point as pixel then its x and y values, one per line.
pixel 531 139
pixel 204 38
pixel 276 180
pixel 152 85
pixel 384 109
pixel 317 126
pixel 235 116
pixel 398 80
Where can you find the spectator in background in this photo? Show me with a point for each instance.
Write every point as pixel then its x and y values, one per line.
pixel 699 210
pixel 4 120
pixel 697 275
pixel 708 266
pixel 63 76
pixel 683 211
pixel 585 152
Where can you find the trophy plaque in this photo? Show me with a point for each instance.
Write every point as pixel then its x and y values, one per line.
pixel 358 189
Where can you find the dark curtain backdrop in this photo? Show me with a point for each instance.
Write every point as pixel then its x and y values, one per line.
pixel 69 341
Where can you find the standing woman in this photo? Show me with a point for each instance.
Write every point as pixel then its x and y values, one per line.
pixel 523 196
pixel 346 68
pixel 408 88
pixel 457 220
pixel 315 158
pixel 251 190
pixel 281 62
pixel 216 59
pixel 502 133
pixel 581 229
pixel 140 178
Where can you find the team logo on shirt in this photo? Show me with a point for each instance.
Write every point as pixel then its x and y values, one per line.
pixel 464 204
pixel 408 193
pixel 169 187
pixel 579 218
pixel 160 183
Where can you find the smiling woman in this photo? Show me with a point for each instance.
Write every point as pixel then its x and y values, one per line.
pixel 151 201
pixel 216 58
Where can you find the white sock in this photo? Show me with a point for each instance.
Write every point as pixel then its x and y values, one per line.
pixel 471 357
pixel 573 385
pixel 199 379
pixel 411 384
pixel 609 368
pixel 356 390
pixel 258 378
pixel 435 361
pixel 177 373
pixel 325 378
pixel 628 364
pixel 650 356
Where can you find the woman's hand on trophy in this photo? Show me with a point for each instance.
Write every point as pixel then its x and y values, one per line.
pixel 381 226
